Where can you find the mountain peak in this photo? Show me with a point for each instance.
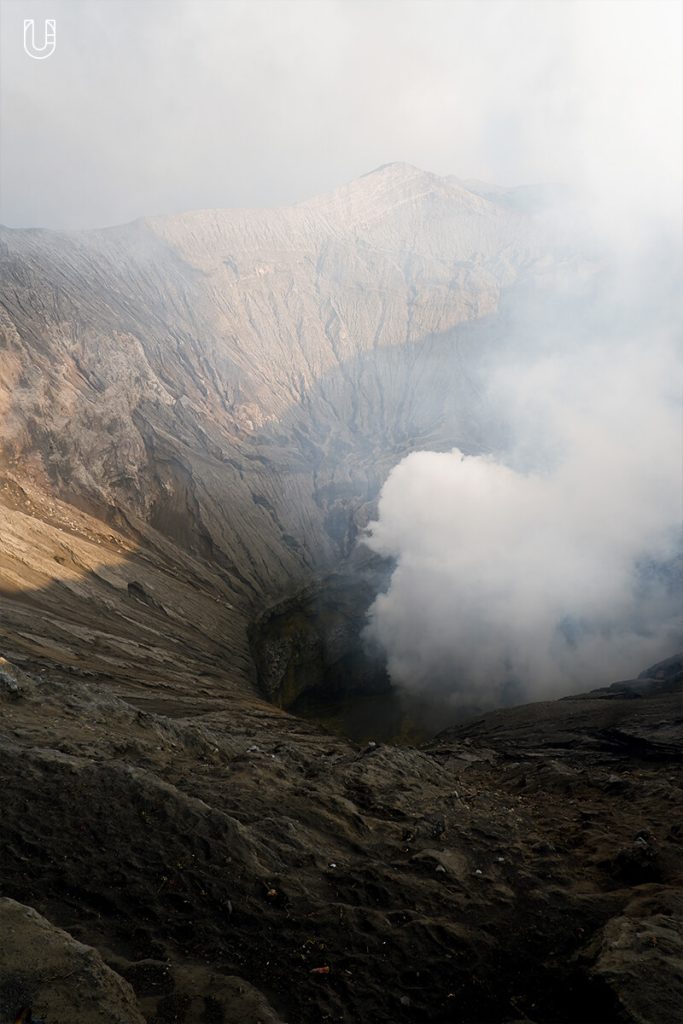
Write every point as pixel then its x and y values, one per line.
pixel 385 188
pixel 396 168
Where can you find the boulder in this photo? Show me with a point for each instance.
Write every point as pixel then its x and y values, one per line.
pixel 60 979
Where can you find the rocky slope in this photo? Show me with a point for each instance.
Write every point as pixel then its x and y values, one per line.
pixel 197 415
pixel 239 382
pixel 232 863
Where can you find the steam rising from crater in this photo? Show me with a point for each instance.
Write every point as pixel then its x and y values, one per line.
pixel 548 562
pixel 546 565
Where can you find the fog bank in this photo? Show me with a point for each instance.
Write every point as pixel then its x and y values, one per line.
pixel 547 564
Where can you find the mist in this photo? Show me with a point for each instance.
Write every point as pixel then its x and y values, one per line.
pixel 170 105
pixel 549 563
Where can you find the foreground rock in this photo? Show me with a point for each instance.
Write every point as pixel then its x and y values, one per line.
pixel 44 969
pixel 239 864
pixel 640 957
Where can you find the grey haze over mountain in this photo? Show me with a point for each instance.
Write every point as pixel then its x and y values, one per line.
pixel 169 105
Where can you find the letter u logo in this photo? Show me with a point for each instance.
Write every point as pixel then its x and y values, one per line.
pixel 46 46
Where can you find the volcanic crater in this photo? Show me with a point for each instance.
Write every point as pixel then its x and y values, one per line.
pixel 216 807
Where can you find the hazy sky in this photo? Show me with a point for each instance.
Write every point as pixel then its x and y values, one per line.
pixel 151 106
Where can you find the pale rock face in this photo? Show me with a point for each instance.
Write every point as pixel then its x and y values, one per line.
pixel 239 382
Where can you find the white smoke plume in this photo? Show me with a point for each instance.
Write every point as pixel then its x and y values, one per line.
pixel 549 563
pixel 546 567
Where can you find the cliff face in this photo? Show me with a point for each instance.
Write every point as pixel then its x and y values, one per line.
pixel 233 386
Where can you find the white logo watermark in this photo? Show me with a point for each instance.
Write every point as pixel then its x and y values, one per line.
pixel 46 46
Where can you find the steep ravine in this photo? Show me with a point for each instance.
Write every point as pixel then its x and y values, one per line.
pixel 242 381
pixel 311 658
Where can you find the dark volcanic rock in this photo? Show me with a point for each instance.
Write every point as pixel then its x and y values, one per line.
pixel 230 853
pixel 59 980
pixel 640 957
